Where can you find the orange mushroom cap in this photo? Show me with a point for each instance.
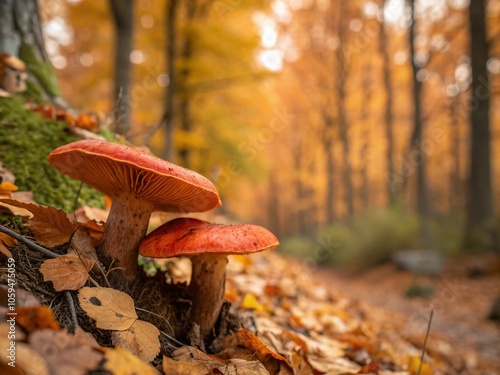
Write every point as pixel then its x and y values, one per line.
pixel 188 236
pixel 112 168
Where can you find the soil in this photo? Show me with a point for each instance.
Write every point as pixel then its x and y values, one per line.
pixel 463 296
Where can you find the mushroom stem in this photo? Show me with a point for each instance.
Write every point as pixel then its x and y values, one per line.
pixel 126 226
pixel 207 289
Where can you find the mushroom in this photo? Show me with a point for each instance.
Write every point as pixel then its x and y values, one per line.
pixel 138 183
pixel 207 245
pixel 12 74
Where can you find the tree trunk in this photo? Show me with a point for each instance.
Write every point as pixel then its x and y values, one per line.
pixel 480 197
pixel 123 16
pixel 327 143
pixel 417 150
pixel 341 113
pixel 365 120
pixel 170 90
pixel 455 188
pixel 21 36
pixel 388 116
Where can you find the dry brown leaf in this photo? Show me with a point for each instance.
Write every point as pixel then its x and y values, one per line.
pixel 370 368
pixel 50 226
pixel 122 362
pixel 6 240
pixel 86 213
pixel 110 308
pixel 67 272
pixel 189 360
pixel 85 338
pixel 36 318
pixel 64 354
pixel 273 362
pixel 81 244
pixel 27 360
pixel 141 339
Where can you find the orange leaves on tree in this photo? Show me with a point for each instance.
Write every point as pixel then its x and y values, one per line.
pixel 67 272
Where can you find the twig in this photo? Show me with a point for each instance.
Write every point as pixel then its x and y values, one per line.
pixel 172 339
pixel 72 309
pixel 425 342
pixel 30 244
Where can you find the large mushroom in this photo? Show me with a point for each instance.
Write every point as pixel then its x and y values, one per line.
pixel 207 245
pixel 138 183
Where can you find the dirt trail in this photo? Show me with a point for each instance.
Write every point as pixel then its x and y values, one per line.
pixel 460 304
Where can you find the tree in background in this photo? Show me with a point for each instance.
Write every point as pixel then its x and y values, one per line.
pixel 123 17
pixel 480 207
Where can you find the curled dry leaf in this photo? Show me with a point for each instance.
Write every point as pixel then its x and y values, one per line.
pixel 141 339
pixel 189 360
pixel 67 272
pixel 35 318
pixel 6 240
pixel 122 362
pixel 50 226
pixel 110 308
pixel 64 353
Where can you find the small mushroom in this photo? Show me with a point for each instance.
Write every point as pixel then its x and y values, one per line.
pixel 138 183
pixel 12 74
pixel 207 245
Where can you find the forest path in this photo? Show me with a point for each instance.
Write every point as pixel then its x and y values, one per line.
pixel 460 303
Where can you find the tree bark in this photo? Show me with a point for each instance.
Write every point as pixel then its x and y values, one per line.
pixel 480 197
pixel 341 113
pixel 21 36
pixel 123 16
pixel 388 116
pixel 365 120
pixel 170 93
pixel 416 147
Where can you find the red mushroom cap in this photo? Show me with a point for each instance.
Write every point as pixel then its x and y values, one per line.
pixel 112 167
pixel 188 236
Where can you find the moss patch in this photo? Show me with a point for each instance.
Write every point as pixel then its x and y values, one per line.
pixel 26 140
pixel 41 70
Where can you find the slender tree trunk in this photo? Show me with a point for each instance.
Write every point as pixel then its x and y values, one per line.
pixel 123 16
pixel 21 36
pixel 184 95
pixel 455 190
pixel 388 116
pixel 341 113
pixel 480 196
pixel 416 147
pixel 365 120
pixel 330 168
pixel 170 93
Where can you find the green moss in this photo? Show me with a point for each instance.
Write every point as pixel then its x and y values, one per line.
pixel 41 70
pixel 26 140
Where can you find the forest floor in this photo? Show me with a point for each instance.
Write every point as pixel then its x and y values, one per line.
pixel 461 303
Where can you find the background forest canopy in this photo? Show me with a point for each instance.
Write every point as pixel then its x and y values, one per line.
pixel 349 123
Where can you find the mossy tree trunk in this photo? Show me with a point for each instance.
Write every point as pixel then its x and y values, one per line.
pixel 21 36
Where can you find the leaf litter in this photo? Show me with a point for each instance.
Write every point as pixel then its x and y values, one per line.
pixel 281 320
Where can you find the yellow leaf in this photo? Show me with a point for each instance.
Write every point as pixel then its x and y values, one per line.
pixel 110 308
pixel 122 362
pixel 141 339
pixel 414 363
pixel 250 302
pixel 68 272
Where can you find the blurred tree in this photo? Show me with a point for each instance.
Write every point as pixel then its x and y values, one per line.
pixel 480 196
pixel 21 36
pixel 388 116
pixel 123 17
pixel 416 146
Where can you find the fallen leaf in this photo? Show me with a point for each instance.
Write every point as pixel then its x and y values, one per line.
pixel 50 226
pixel 370 368
pixel 64 353
pixel 36 318
pixel 85 338
pixel 272 361
pixel 121 362
pixel 6 240
pixel 251 302
pixel 110 308
pixel 190 360
pixel 26 360
pixel 141 339
pixel 67 272
pixel 414 364
pixel 82 244
pixel 8 187
pixel 88 122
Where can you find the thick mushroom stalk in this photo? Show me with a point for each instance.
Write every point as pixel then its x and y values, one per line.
pixel 126 226
pixel 207 287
